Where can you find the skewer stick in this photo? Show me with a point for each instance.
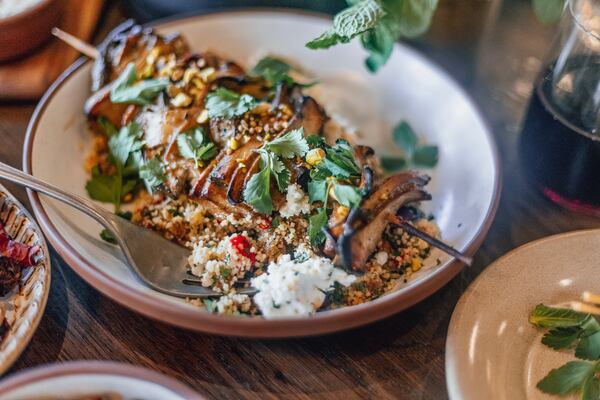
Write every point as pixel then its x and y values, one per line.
pixel 411 230
pixel 78 44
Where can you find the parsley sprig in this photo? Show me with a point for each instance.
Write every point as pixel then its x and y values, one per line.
pixel 127 89
pixel 224 103
pixel 570 329
pixel 257 192
pixel 417 155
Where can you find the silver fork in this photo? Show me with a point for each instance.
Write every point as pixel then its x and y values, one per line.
pixel 156 261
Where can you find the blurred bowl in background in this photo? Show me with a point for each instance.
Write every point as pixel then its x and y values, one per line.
pixel 22 32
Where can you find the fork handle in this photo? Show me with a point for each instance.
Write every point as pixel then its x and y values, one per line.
pixel 14 175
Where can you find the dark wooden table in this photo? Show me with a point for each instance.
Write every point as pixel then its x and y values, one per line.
pixel 494 51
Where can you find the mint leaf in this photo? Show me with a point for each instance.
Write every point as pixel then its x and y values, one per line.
pixel 224 103
pixel 550 317
pixel 379 43
pixel 347 195
pixel 548 11
pixel 409 18
pixel 392 164
pixel 316 223
pixel 588 347
pixel 126 90
pixel 272 69
pixel 318 191
pixel 561 338
pixel 327 39
pixel 591 389
pixel 289 145
pixel 257 192
pixel 568 378
pixel 152 173
pixel 357 19
pixel 405 138
pixel 426 156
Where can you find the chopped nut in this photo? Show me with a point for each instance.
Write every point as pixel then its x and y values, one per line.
pixel 181 100
pixel 207 73
pixel 315 156
pixel 203 117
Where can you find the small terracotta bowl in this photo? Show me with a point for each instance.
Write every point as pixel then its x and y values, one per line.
pixel 23 32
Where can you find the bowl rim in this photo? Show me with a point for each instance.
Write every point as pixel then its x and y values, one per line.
pixel 319 323
pixel 35 322
pixel 26 13
pixel 46 371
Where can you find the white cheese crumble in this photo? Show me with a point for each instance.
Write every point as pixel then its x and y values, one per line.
pixel 381 257
pixel 296 202
pixel 290 288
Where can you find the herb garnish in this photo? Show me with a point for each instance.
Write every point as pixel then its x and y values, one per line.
pixel 406 139
pixel 125 89
pixel 379 23
pixel 224 103
pixel 151 172
pixel 193 145
pixel 274 70
pixel 570 329
pixel 258 190
pixel 336 173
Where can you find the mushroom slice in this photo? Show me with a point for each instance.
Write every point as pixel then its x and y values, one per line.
pixel 364 226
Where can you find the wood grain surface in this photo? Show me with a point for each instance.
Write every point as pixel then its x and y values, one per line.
pixel 400 357
pixel 27 78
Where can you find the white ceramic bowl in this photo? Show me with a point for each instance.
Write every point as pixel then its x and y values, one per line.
pixel 465 187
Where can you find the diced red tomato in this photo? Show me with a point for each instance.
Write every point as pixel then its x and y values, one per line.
pixel 243 246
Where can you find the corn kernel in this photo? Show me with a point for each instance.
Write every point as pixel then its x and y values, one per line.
pixel 315 156
pixel 181 100
pixel 207 73
pixel 190 73
pixel 342 211
pixel 177 74
pixel 203 117
pixel 415 264
pixel 234 144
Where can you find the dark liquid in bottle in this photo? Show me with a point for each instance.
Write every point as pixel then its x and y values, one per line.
pixel 560 149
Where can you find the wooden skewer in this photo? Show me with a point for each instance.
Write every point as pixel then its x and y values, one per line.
pixel 411 230
pixel 78 44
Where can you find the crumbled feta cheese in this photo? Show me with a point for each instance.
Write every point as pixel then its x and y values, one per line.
pixel 290 288
pixel 233 303
pixel 296 202
pixel 381 257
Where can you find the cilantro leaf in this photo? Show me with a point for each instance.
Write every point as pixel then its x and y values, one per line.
pixel 108 127
pixel 104 188
pixel 257 192
pixel 152 173
pixel 568 378
pixel 224 103
pixel 125 142
pixel 318 190
pixel 191 145
pixel 315 141
pixel 316 224
pixel 551 317
pixel 126 90
pixel 346 195
pixel 289 145
pixel 280 172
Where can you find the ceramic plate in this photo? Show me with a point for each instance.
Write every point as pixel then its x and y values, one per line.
pixel 88 378
pixel 23 308
pixel 465 186
pixel 492 352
